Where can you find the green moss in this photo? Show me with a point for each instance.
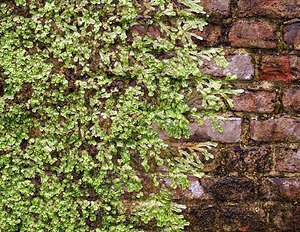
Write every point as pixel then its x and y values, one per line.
pixel 281 45
pixel 82 92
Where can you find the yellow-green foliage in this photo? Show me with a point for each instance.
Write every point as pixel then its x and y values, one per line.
pixel 81 91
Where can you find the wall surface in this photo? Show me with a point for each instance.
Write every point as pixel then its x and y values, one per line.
pixel 253 184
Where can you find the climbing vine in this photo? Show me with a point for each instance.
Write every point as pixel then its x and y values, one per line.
pixel 85 89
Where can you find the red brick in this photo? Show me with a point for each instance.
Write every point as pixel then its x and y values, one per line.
pixel 216 8
pixel 288 187
pixel 282 129
pixel 253 33
pixel 287 160
pixel 275 68
pixel 240 65
pixel 211 35
pixel 269 8
pixel 255 101
pixel 292 36
pixel 291 99
pixel 295 67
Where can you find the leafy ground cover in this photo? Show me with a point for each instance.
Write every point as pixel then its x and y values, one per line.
pixel 83 84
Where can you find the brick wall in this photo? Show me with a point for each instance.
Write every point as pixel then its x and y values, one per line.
pixel 253 184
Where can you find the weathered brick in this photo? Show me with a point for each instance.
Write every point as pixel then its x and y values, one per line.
pixel 288 187
pixel 282 129
pixel 194 191
pixel 211 35
pixel 246 160
pixel 287 160
pixel 240 65
pixel 255 101
pixel 230 188
pixel 295 67
pixel 253 33
pixel 232 130
pixel 269 8
pixel 216 8
pixel 291 99
pixel 275 68
pixel 292 36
